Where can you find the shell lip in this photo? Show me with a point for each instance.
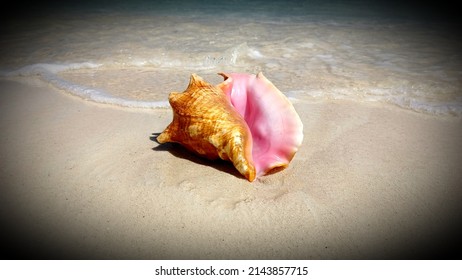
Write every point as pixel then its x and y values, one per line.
pixel 256 99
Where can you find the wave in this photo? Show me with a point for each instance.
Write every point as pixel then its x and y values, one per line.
pixel 419 105
pixel 49 74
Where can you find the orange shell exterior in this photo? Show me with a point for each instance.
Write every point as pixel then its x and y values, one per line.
pixel 205 122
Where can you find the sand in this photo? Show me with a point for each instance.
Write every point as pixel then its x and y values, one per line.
pixel 84 180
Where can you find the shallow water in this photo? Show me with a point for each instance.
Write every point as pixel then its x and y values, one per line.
pixel 136 54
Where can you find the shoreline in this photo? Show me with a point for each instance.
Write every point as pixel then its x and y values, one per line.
pixel 84 180
pixel 102 91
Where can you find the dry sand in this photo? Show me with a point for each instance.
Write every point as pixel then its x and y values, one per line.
pixel 82 180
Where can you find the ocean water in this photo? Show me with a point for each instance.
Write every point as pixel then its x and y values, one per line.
pixel 134 53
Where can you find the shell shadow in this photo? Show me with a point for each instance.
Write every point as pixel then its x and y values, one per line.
pixel 181 152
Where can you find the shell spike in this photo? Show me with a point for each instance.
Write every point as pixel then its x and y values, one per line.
pixel 205 122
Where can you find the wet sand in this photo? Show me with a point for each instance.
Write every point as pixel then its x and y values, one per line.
pixel 84 180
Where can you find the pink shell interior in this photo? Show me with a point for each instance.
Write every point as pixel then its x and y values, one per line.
pixel 276 128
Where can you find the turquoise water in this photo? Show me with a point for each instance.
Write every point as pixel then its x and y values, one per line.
pixel 133 53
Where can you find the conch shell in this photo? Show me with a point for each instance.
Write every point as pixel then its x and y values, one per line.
pixel 245 119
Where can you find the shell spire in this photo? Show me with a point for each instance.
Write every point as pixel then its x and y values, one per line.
pixel 205 122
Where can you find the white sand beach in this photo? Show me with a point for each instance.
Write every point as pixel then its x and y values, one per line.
pixel 85 180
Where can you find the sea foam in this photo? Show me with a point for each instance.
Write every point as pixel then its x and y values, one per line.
pixel 49 73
